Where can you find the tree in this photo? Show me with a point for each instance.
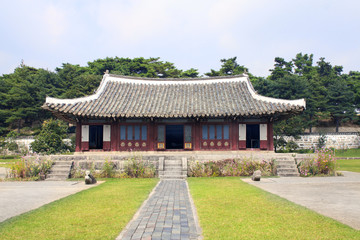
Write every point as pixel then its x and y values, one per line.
pixel 340 102
pixel 281 68
pixel 50 138
pixel 228 67
pixel 191 73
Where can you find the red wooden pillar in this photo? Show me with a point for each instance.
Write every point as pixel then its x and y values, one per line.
pixel 114 137
pixel 151 136
pixel 234 135
pixel 78 138
pixel 197 136
pixel 270 136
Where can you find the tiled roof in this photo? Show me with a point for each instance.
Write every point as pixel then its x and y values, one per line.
pixel 122 96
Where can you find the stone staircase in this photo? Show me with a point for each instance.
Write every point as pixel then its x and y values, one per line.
pixel 60 170
pixel 286 167
pixel 172 167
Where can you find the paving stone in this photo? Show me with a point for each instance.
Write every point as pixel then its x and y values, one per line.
pixel 167 214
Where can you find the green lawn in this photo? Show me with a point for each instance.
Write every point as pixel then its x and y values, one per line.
pixel 97 213
pixel 348 153
pixel 352 165
pixel 231 209
pixel 8 160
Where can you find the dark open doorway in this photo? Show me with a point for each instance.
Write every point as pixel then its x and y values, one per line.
pixel 96 137
pixel 252 136
pixel 174 136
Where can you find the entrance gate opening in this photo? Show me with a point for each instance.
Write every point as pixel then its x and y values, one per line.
pixel 96 137
pixel 252 136
pixel 174 136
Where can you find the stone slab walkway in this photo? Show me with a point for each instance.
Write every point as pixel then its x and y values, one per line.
pixel 168 213
pixel 335 197
pixel 20 197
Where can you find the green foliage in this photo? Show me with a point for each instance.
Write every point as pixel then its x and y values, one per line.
pixel 292 146
pixel 228 67
pixel 30 168
pixel 323 164
pixel 50 139
pixel 321 141
pixel 108 170
pixel 230 167
pixel 328 92
pixel 136 167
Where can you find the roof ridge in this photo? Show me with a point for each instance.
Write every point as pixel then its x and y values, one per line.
pixel 178 79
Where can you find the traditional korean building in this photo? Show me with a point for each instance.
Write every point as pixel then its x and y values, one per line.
pixel 144 114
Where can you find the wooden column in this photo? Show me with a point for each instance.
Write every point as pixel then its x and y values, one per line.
pixel 151 136
pixel 78 138
pixel 270 136
pixel 234 135
pixel 197 136
pixel 114 136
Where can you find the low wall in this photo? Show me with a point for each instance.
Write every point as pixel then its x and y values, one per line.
pixel 332 140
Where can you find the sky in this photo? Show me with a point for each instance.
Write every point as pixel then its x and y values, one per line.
pixel 189 33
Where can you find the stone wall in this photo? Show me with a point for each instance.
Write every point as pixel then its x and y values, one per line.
pixel 333 140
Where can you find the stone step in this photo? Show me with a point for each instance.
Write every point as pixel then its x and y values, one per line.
pixel 287 170
pixel 61 167
pixel 62 163
pixel 172 173
pixel 60 172
pixel 171 168
pixel 289 175
pixel 172 177
pixel 173 163
pixel 286 166
pixel 286 161
pixel 55 179
pixel 58 175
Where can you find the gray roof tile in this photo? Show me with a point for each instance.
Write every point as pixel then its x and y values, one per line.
pixel 122 96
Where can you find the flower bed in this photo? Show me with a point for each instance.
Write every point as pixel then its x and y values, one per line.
pixel 323 164
pixel 30 167
pixel 230 167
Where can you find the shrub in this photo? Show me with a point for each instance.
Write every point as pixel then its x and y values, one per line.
pixel 292 146
pixel 321 141
pixel 323 164
pixel 30 167
pixel 230 167
pixel 137 168
pixel 50 138
pixel 108 170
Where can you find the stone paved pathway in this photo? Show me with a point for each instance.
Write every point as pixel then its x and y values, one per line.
pixel 167 214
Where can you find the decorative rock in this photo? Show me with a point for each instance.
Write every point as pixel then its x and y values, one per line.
pixel 89 178
pixel 256 176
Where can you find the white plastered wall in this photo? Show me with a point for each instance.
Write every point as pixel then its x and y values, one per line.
pixel 85 133
pixel 263 132
pixel 107 133
pixel 242 132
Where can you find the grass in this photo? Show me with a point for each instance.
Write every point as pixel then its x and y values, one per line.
pixel 352 165
pixel 97 213
pixel 7 161
pixel 355 152
pixel 231 209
